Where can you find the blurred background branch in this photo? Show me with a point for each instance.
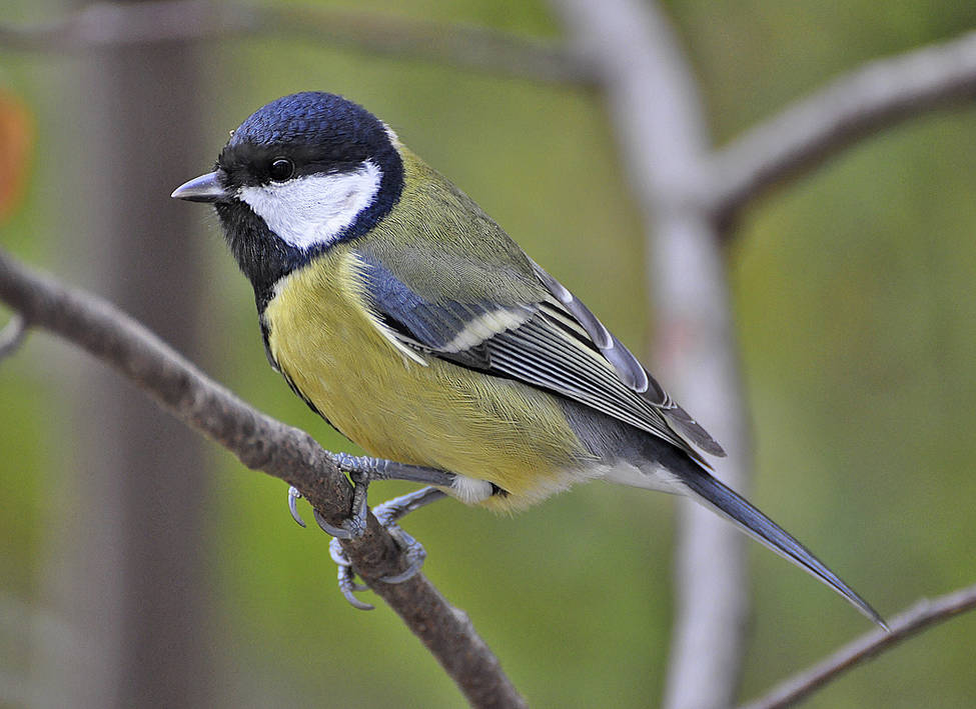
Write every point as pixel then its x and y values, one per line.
pixel 878 95
pixel 653 99
pixel 923 615
pixel 107 24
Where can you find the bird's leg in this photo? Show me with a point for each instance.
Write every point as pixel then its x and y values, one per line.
pixel 363 470
pixel 371 469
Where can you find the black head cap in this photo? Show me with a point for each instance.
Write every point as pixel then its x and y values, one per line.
pixel 317 131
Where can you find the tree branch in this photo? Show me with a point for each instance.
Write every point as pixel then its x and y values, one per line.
pixel 477 48
pixel 261 443
pixel 653 99
pixel 806 134
pixel 921 616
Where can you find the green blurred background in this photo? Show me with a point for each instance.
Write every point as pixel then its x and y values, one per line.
pixel 856 307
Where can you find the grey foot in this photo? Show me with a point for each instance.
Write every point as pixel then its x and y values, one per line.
pixel 412 549
pixel 387 514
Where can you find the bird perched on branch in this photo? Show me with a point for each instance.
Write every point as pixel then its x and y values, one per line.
pixel 404 316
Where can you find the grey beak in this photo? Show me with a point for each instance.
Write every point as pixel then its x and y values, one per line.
pixel 206 188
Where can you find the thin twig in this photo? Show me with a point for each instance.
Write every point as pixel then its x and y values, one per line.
pixel 919 617
pixel 653 98
pixel 261 443
pixel 12 335
pixel 807 133
pixel 478 48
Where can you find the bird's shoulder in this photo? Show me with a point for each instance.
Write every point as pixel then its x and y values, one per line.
pixel 439 243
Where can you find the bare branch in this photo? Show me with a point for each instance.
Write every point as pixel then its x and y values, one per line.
pixel 12 335
pixel 921 616
pixel 653 98
pixel 477 48
pixel 261 443
pixel 806 134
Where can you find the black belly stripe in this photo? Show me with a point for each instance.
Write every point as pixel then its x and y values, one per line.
pixel 266 336
pixel 313 407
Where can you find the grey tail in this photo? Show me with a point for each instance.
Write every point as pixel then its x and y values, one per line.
pixel 764 530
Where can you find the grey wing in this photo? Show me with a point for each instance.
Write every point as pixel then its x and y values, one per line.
pixel 555 344
pixel 628 367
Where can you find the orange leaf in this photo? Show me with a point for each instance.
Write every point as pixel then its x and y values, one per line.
pixel 16 137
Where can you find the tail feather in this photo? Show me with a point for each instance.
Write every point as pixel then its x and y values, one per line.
pixel 764 530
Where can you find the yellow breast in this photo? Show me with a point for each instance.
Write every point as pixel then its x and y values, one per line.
pixel 436 414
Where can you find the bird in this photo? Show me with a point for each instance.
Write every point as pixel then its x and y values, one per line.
pixel 403 315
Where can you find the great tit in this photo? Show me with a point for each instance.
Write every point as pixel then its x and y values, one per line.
pixel 404 316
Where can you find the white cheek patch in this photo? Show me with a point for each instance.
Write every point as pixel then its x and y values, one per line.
pixel 312 210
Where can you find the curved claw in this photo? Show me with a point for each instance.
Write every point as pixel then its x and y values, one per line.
pixel 352 527
pixel 348 586
pixel 347 577
pixel 338 554
pixel 337 532
pixel 411 571
pixel 293 496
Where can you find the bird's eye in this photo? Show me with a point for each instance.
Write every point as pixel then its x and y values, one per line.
pixel 281 169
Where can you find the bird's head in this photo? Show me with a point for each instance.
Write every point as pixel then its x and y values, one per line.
pixel 298 175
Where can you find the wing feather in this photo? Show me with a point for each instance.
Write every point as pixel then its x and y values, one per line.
pixel 583 376
pixel 631 371
pixel 556 344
